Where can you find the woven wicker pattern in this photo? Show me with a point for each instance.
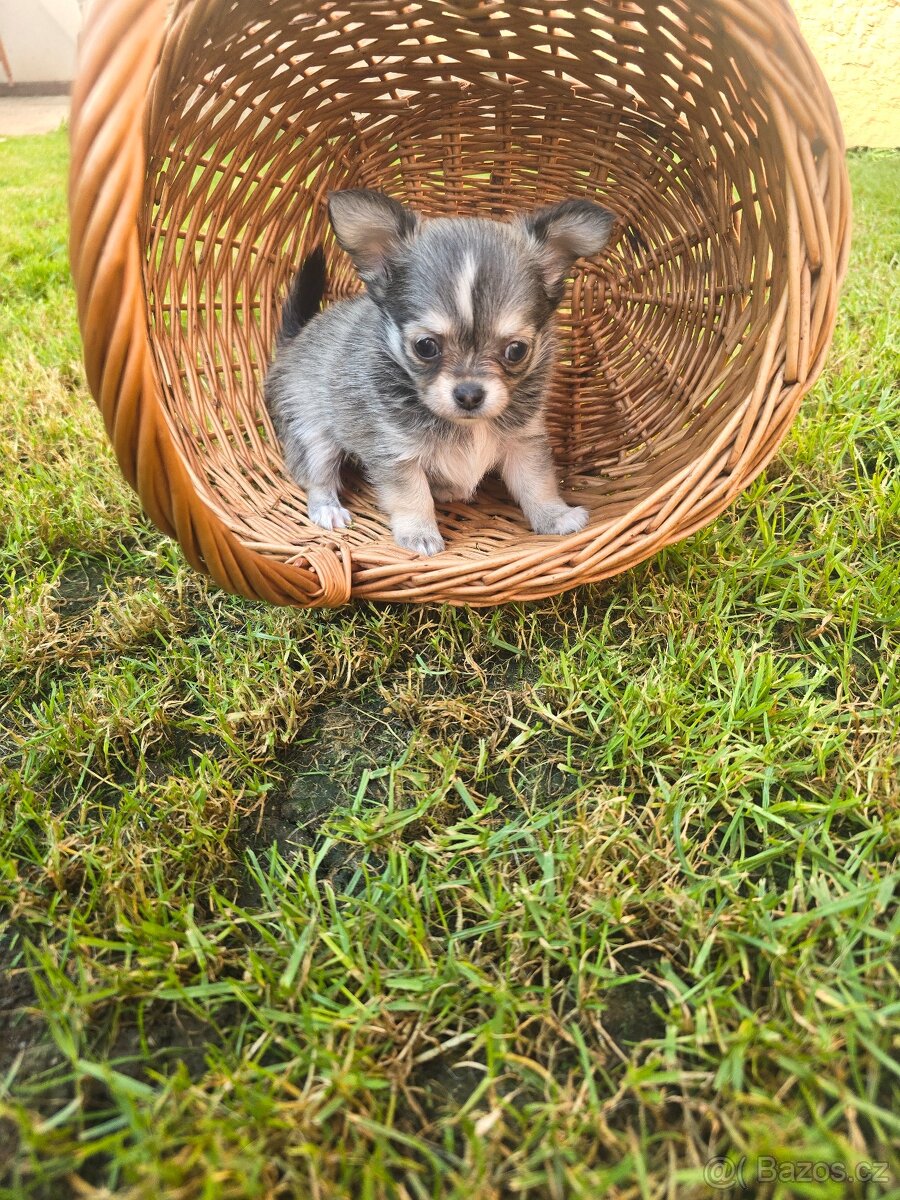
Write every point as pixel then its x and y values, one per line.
pixel 206 136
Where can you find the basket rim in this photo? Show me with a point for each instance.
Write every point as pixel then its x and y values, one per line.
pixel 127 47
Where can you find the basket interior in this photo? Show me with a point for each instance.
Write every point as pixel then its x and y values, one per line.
pixel 260 109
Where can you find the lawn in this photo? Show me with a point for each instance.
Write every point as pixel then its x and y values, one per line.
pixel 546 901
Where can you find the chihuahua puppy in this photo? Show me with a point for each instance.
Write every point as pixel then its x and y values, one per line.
pixel 439 372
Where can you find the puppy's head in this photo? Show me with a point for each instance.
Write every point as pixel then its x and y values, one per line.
pixel 468 303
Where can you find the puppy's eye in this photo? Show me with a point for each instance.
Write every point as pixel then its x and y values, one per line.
pixel 515 352
pixel 426 347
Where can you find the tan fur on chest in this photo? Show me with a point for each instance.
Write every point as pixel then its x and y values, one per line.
pixel 460 467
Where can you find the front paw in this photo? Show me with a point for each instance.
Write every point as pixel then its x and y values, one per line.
pixel 559 519
pixel 421 540
pixel 329 514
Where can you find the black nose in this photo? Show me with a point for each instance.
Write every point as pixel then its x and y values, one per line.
pixel 469 395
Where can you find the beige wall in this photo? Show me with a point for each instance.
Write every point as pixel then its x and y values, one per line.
pixel 857 44
pixel 39 38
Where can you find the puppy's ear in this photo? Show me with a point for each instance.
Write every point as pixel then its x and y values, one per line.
pixel 371 227
pixel 565 232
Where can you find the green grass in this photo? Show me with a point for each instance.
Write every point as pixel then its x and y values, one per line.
pixel 550 901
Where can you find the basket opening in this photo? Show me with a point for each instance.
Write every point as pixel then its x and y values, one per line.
pixel 477 110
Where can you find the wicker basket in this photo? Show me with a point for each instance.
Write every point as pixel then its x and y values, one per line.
pixel 206 136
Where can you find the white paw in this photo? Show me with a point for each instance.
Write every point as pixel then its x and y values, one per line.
pixel 329 515
pixel 448 495
pixel 420 541
pixel 560 519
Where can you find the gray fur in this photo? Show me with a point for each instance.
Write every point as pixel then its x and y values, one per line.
pixel 350 383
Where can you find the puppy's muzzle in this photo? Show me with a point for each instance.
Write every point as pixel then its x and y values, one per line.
pixel 468 395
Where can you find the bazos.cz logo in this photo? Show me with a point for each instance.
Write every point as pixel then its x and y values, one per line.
pixel 724 1173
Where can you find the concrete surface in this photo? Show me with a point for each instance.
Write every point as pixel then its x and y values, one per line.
pixel 32 114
